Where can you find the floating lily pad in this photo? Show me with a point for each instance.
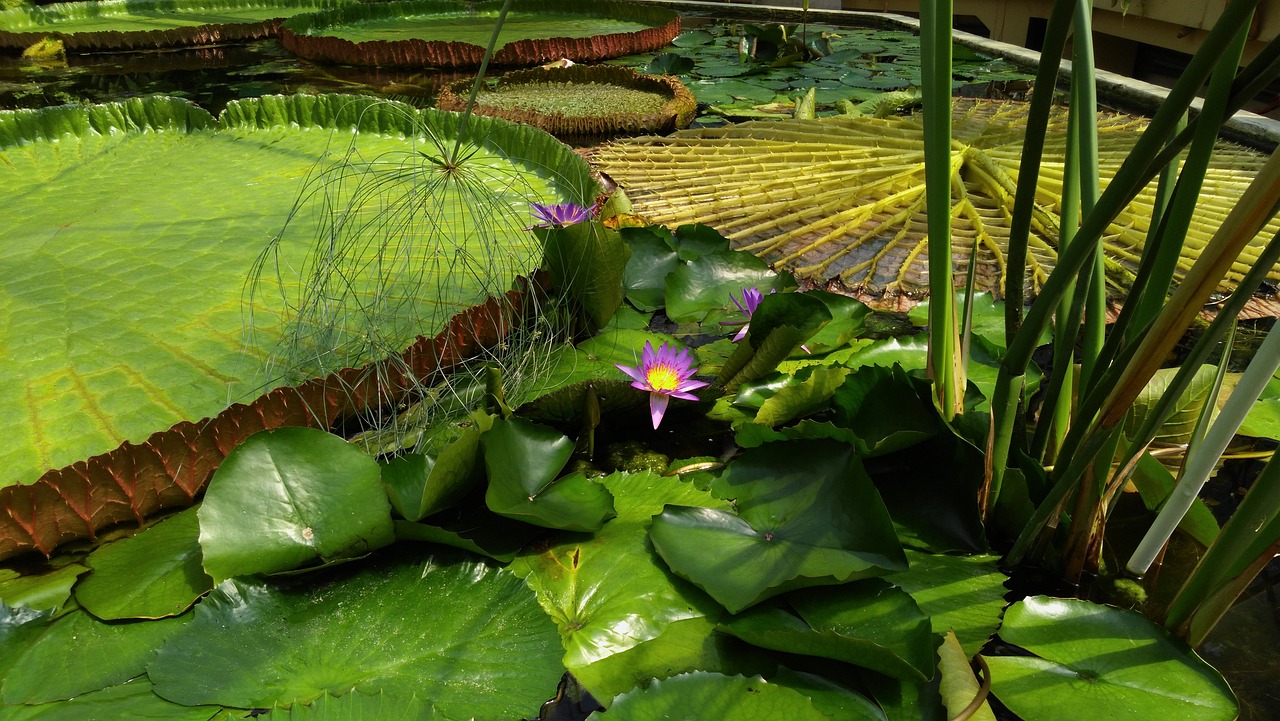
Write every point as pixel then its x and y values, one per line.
pixel 465 634
pixel 39 664
pixel 153 574
pixel 1096 661
pixel 314 498
pixel 704 695
pixel 441 34
pixel 144 24
pixel 129 701
pixel 582 102
pixel 43 591
pixel 158 336
pixel 817 523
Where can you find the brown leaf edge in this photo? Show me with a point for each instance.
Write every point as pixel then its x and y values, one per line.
pixel 171 468
pixel 196 35
pixel 450 54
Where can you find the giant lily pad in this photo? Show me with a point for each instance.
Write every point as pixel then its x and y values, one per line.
pixel 466 635
pixel 143 24
pixel 844 197
pixel 581 103
pixel 155 271
pixel 1096 661
pixel 816 523
pixel 443 34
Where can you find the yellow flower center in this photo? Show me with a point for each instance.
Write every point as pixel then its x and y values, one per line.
pixel 662 377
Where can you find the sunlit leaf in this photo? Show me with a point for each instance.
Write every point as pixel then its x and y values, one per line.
pixel 314 498
pixel 1095 661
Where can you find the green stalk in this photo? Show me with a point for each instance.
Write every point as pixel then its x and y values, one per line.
pixel 935 57
pixel 1154 279
pixel 1011 378
pixel 475 87
pixel 1084 103
pixel 1247 541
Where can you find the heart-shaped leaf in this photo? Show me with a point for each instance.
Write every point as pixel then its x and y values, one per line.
pixel 522 460
pixel 820 522
pixel 1095 661
pixel 419 485
pixel 314 497
pixel 706 282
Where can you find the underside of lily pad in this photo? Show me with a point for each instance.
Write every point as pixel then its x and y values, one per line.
pixel 840 201
pixel 144 24
pixel 581 102
pixel 444 34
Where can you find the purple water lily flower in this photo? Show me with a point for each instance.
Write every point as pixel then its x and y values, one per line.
pixel 558 215
pixel 751 298
pixel 664 373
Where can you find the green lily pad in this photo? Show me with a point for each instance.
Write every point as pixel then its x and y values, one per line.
pixel 870 624
pixel 1096 661
pixel 157 337
pixel 523 460
pixel 586 263
pixel 692 38
pixel 706 695
pixel 668 64
pixel 419 485
pixel 465 634
pixel 153 574
pixel 314 498
pixel 608 593
pixel 652 259
pixel 816 523
pixel 129 701
pixel 359 707
pixel 44 591
pixel 859 405
pixel 964 594
pixel 77 654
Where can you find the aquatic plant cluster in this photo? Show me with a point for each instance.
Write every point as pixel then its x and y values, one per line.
pixel 528 453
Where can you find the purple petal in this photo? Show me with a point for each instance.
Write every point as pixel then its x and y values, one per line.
pixel 643 386
pixel 741 333
pixel 689 385
pixel 657 407
pixel 635 373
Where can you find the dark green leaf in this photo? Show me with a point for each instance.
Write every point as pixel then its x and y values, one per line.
pixel 44 591
pixel 870 624
pixel 883 407
pixel 420 485
pixel 645 279
pixel 691 38
pixel 357 706
pixel 964 594
pixel 706 695
pixel 668 64
pixel 464 634
pixel 77 654
pixel 816 523
pixel 522 460
pixel 152 574
pixel 289 498
pixel 706 283
pixel 129 701
pixel 586 263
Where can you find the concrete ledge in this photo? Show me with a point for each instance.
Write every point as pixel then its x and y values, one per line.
pixel 1117 91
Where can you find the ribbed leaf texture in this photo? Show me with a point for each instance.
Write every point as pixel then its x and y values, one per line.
pixel 842 199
